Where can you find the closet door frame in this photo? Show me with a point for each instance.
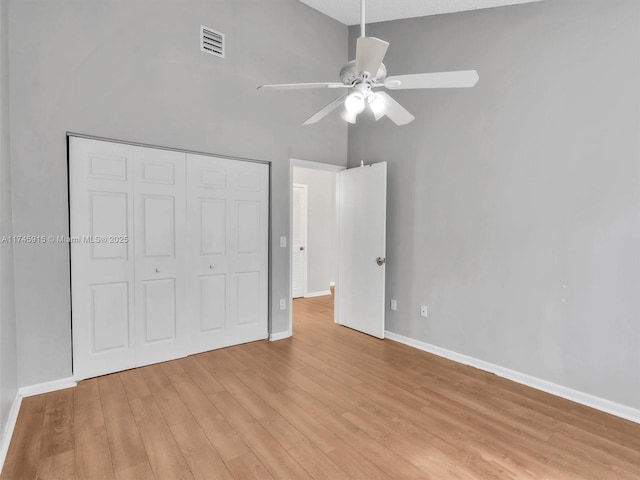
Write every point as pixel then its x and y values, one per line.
pixel 80 374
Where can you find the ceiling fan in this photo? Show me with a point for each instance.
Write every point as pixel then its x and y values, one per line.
pixel 367 73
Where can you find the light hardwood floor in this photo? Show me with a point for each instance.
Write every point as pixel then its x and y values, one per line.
pixel 328 404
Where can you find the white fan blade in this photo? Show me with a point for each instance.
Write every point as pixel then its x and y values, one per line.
pixel 396 112
pixel 298 86
pixel 462 79
pixel 326 110
pixel 370 52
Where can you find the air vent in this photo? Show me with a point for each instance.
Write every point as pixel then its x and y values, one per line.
pixel 211 42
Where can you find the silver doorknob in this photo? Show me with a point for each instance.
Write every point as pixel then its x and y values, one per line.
pixel 381 261
pixel 301 248
pixel 211 266
pixel 157 270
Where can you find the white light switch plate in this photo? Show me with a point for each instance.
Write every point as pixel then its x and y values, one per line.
pixel 283 242
pixel 394 305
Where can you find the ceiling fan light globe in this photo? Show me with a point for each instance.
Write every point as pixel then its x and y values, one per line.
pixel 347 116
pixel 377 105
pixel 354 103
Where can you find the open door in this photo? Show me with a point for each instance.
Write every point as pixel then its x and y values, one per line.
pixel 362 221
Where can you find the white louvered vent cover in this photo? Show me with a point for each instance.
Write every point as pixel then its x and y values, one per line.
pixel 211 42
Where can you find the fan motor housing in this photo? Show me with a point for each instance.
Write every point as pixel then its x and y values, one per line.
pixel 348 74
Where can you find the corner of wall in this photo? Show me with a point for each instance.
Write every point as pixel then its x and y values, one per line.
pixel 9 399
pixel 7 432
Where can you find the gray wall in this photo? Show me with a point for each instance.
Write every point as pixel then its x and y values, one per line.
pixel 8 356
pixel 132 70
pixel 514 207
pixel 322 241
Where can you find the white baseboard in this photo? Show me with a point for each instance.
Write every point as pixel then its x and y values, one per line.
pixel 587 399
pixel 317 294
pixel 46 387
pixel 274 337
pixel 8 429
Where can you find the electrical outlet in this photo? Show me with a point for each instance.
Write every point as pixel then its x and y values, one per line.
pixel 283 242
pixel 394 305
pixel 283 304
pixel 423 311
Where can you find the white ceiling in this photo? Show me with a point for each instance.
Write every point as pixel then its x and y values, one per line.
pixel 348 11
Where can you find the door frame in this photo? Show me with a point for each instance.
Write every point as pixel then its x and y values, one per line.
pixel 327 167
pixel 69 134
pixel 305 189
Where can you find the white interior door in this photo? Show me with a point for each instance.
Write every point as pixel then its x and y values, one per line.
pixel 102 257
pixel 362 208
pixel 299 241
pixel 227 214
pixel 160 255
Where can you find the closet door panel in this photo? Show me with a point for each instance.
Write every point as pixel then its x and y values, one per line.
pixel 249 193
pixel 213 303
pixel 213 226
pixel 159 308
pixel 102 267
pixel 109 317
pixel 248 224
pixel 247 298
pixel 158 228
pixel 227 208
pixel 207 252
pixel 108 212
pixel 160 255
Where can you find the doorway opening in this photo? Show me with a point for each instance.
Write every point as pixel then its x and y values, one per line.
pixel 313 238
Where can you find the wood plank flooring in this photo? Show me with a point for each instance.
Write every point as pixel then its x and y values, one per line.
pixel 328 404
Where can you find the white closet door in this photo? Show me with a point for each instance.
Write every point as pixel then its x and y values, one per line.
pixel 167 260
pixel 227 215
pixel 102 274
pixel 160 255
